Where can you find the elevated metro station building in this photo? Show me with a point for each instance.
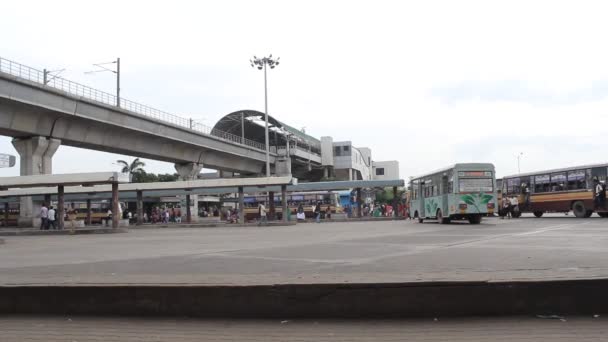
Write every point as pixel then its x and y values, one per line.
pixel 304 156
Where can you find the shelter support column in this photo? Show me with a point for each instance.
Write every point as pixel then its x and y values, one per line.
pixel 89 218
pixel 186 172
pixel 395 202
pixel 140 207
pixel 60 207
pixel 272 210
pixel 188 211
pixel 241 205
pixel 359 202
pixel 284 208
pixel 115 211
pixel 6 209
pixel 35 158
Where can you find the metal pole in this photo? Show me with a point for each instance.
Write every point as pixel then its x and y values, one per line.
pixel 140 207
pixel 242 127
pixel 44 77
pixel 188 213
pixel 272 210
pixel 89 218
pixel 118 82
pixel 395 202
pixel 241 205
pixel 60 207
pixel 6 210
pixel 284 202
pixel 359 202
pixel 115 204
pixel 266 119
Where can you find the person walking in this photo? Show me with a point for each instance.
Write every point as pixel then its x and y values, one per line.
pixel 262 214
pixel 178 215
pixel 318 212
pixel 44 216
pixel 51 218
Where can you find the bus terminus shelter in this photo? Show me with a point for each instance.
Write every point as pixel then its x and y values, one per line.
pixel 194 187
pixel 48 184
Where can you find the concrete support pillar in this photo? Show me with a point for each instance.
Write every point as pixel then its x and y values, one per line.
pixel 241 205
pixel 115 211
pixel 140 207
pixel 35 158
pixel 326 172
pixel 271 207
pixel 6 209
pixel 359 202
pixel 284 202
pixel 350 174
pixel 395 202
pixel 190 171
pixel 188 210
pixel 60 207
pixel 89 216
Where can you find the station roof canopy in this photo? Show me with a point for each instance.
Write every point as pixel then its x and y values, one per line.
pixel 252 120
pixel 66 179
pixel 222 185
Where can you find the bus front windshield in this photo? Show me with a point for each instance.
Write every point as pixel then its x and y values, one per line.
pixel 475 185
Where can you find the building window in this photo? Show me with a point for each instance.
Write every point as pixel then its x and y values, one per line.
pixel 380 171
pixel 346 148
pixel 337 151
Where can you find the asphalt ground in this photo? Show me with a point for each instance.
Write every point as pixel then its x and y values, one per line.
pixel 548 248
pixel 109 329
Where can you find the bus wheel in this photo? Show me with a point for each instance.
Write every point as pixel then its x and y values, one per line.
pixel 420 220
pixel 538 213
pixel 579 209
pixel 475 219
pixel 604 214
pixel 441 219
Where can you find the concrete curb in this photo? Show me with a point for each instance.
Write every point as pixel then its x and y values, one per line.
pixel 210 225
pixel 78 231
pixel 568 297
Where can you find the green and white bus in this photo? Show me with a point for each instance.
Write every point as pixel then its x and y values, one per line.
pixel 464 191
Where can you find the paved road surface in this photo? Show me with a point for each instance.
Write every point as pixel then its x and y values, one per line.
pixel 548 248
pixel 108 329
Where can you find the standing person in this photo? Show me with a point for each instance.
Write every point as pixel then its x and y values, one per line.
pixel 262 214
pixel 44 217
pixel 597 193
pixel 515 206
pixel 328 212
pixel 506 207
pixel 109 217
pixel 178 214
pixel 318 212
pixel 72 215
pixel 51 218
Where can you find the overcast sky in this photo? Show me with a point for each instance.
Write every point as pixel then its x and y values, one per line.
pixel 427 83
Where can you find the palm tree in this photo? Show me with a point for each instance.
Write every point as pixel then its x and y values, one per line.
pixel 136 166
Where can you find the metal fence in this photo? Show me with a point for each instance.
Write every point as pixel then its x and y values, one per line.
pixel 74 88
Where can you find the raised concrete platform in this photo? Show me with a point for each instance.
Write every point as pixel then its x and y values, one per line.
pixel 383 269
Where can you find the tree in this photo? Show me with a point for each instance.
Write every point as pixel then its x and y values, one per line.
pixel 144 177
pixel 136 166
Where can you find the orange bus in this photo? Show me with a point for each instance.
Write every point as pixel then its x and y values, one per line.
pixel 559 190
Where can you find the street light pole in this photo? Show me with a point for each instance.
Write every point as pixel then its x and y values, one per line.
pixel 261 63
pixel 266 123
pixel 518 161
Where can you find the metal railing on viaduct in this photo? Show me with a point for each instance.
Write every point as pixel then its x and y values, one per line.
pixel 74 88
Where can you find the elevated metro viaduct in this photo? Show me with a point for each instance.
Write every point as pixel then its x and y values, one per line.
pixel 41 114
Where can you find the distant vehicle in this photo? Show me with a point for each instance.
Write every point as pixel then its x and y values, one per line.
pixel 464 191
pixel 559 190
